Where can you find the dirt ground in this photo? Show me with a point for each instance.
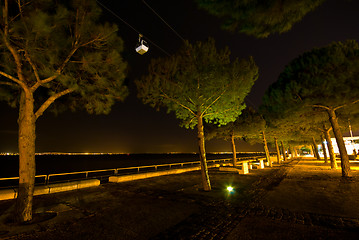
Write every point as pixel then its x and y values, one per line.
pixel 301 199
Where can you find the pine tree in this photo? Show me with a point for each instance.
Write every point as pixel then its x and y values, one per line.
pixel 199 83
pixel 58 55
pixel 259 18
pixel 321 80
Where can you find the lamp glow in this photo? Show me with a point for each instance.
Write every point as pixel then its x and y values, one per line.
pixel 230 189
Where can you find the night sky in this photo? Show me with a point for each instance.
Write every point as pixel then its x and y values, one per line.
pixel 132 127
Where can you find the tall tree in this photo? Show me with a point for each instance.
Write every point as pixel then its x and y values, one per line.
pixel 227 132
pixel 323 147
pixel 199 83
pixel 333 160
pixel 50 50
pixel 283 151
pixel 257 17
pixel 323 79
pixel 265 145
pixel 315 149
pixel 248 125
pixel 277 149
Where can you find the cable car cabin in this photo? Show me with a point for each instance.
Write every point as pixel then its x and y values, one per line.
pixel 142 47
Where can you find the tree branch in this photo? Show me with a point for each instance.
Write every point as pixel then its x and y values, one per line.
pixel 98 38
pixel 336 108
pixel 189 122
pixel 191 101
pixel 320 106
pixel 32 65
pixel 50 100
pixel 346 104
pixel 20 80
pixel 8 83
pixel 58 71
pixel 176 101
pixel 215 100
pixel 63 65
pixel 11 77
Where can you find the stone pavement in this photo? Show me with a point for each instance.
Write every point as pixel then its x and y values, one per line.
pixel 300 199
pixel 229 220
pixel 219 218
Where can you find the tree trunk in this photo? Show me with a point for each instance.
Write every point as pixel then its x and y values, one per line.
pixel 295 152
pixel 340 142
pixel 315 148
pixel 333 160
pixel 291 150
pixel 27 167
pixel 312 151
pixel 324 150
pixel 202 155
pixel 234 151
pixel 266 149
pixel 277 148
pixel 284 156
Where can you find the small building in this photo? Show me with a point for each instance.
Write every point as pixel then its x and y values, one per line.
pixel 351 144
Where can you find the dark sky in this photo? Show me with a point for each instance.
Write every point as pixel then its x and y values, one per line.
pixel 134 127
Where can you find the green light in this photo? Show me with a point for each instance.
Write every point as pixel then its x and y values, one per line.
pixel 230 189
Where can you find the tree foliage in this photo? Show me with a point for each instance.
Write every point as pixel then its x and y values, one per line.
pixel 62 49
pixel 321 80
pixel 324 76
pixel 259 18
pixel 248 124
pixel 199 79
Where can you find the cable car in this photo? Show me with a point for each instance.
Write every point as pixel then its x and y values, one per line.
pixel 142 46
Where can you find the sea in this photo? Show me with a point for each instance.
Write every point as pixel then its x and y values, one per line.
pixel 65 163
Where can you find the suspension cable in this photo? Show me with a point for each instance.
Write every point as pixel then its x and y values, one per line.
pixel 163 20
pixel 131 27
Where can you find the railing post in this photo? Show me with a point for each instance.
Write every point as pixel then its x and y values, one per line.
pixel 87 173
pixel 155 167
pixel 116 171
pixel 47 179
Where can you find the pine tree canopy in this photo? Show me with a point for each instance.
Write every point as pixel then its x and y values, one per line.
pixel 63 48
pixel 325 76
pixel 199 81
pixel 259 18
pixel 321 79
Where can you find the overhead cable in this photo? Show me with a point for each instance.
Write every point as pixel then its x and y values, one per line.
pixel 163 20
pixel 113 13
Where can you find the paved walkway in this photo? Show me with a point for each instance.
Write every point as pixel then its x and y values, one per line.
pixel 302 199
pixel 298 200
pixel 311 202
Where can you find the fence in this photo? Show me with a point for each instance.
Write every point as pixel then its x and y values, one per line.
pixel 104 173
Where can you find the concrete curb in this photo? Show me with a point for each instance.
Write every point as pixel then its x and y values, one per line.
pixel 6 194
pixel 138 176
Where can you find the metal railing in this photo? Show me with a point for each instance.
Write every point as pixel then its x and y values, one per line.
pixel 102 173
